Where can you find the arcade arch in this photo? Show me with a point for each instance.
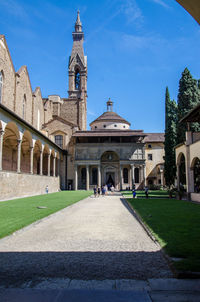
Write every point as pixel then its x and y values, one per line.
pixel 10 149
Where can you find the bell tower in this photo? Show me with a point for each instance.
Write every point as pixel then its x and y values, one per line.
pixel 77 72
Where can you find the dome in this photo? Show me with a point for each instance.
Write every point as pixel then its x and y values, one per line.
pixel 110 120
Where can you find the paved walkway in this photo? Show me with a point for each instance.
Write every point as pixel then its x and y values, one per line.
pixel 152 290
pixel 96 238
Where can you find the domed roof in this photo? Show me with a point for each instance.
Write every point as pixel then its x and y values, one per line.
pixel 110 116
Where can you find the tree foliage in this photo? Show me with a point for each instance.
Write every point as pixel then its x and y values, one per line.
pixel 170 138
pixel 188 98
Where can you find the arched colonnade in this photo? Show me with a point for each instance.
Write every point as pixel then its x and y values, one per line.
pixel 21 153
pixel 182 175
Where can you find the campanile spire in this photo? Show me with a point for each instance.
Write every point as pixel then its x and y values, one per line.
pixel 78 24
pixel 77 71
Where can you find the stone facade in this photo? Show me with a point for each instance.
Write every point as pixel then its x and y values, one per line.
pixel 46 140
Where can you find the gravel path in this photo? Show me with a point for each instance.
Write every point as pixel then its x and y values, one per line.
pixel 96 238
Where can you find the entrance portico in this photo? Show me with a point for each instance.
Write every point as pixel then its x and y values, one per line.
pixel 110 153
pixel 121 176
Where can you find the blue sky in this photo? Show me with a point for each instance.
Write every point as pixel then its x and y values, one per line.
pixel 135 48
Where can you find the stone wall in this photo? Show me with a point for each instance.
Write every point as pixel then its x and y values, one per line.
pixel 38 110
pixel 69 110
pixel 157 151
pixel 57 127
pixel 23 92
pixel 21 185
pixel 7 69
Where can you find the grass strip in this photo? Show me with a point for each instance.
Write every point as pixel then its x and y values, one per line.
pixel 18 213
pixel 175 224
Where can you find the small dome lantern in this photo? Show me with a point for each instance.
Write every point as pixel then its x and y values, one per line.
pixel 109 105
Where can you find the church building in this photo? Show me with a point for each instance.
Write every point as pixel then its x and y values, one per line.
pixel 45 141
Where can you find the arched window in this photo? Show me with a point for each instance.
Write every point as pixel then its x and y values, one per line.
pixel 59 140
pixel 94 176
pixel 125 175
pixel 1 86
pixel 136 175
pixel 77 80
pixel 24 108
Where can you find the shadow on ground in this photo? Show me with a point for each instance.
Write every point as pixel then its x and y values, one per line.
pixel 20 267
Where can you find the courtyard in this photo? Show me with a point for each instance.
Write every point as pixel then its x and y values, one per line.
pixel 95 238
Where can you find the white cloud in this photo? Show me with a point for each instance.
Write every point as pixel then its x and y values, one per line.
pixel 14 8
pixel 132 11
pixel 151 42
pixel 162 3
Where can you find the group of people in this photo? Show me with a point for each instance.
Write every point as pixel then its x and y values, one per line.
pixel 103 190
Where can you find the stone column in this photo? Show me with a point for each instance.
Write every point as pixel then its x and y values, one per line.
pixel 58 166
pixel 121 177
pixel 87 178
pixel 19 144
pixel 144 173
pixel 75 177
pixel 41 162
pixel 54 166
pixel 31 160
pixel 162 177
pixel 1 148
pixel 99 176
pixel 133 174
pixel 49 164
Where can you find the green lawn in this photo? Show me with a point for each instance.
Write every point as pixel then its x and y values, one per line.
pixel 153 193
pixel 176 225
pixel 18 213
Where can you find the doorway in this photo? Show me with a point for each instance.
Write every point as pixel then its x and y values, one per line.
pixel 110 176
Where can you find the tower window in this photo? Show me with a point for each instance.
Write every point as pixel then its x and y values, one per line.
pixel 149 146
pixel 124 126
pixel 104 126
pixel 115 126
pixel 1 86
pixel 95 127
pixel 59 140
pixel 150 156
pixel 77 80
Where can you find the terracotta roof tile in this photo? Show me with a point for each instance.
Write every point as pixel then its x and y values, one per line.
pixel 154 137
pixel 110 116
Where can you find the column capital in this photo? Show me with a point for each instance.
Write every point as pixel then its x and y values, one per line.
pixel 2 132
pixel 19 141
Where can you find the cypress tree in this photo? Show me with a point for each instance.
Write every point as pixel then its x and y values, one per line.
pixel 188 98
pixel 170 139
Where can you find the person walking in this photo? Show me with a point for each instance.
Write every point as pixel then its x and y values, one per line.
pixel 47 189
pixel 99 191
pixel 103 191
pixel 95 191
pixel 134 193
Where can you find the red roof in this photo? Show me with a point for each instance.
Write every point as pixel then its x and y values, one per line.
pixel 154 137
pixel 110 116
